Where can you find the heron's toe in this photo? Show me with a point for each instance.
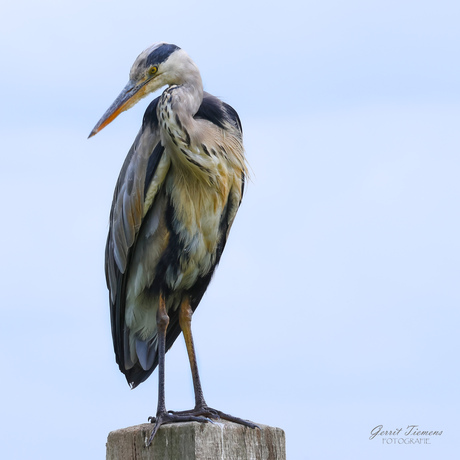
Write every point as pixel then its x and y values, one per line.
pixel 163 418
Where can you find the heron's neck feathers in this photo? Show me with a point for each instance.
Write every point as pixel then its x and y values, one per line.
pixel 197 148
pixel 186 83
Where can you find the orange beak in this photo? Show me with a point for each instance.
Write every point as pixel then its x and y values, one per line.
pixel 124 101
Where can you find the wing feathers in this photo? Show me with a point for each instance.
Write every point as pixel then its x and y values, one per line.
pixel 142 175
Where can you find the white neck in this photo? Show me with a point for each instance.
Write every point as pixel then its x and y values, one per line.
pixel 185 74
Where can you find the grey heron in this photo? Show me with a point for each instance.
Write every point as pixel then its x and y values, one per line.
pixel 176 198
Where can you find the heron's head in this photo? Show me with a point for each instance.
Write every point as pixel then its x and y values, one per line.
pixel 161 64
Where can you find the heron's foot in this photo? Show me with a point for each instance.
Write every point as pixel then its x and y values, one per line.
pixel 213 414
pixel 164 418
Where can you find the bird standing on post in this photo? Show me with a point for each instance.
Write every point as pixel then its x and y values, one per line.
pixel 174 203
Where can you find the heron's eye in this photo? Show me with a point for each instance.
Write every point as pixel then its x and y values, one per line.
pixel 153 70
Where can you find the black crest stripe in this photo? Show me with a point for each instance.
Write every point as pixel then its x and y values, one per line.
pixel 161 54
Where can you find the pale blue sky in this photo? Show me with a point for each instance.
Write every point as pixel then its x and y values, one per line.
pixel 335 307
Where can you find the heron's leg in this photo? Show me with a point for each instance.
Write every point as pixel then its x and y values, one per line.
pixel 201 408
pixel 163 417
pixel 162 326
pixel 185 322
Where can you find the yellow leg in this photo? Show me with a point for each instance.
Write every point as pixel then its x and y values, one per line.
pixel 201 408
pixel 185 322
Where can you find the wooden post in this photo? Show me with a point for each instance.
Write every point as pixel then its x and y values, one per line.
pixel 220 440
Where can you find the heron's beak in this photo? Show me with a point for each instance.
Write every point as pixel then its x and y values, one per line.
pixel 131 94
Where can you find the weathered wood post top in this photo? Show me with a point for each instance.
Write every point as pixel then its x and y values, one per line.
pixel 220 440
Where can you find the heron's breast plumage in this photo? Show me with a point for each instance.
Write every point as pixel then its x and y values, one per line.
pixel 190 200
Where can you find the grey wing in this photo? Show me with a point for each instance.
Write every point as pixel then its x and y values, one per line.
pixel 126 216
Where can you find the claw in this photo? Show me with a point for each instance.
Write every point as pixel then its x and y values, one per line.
pixel 209 413
pixel 164 418
pixel 200 414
